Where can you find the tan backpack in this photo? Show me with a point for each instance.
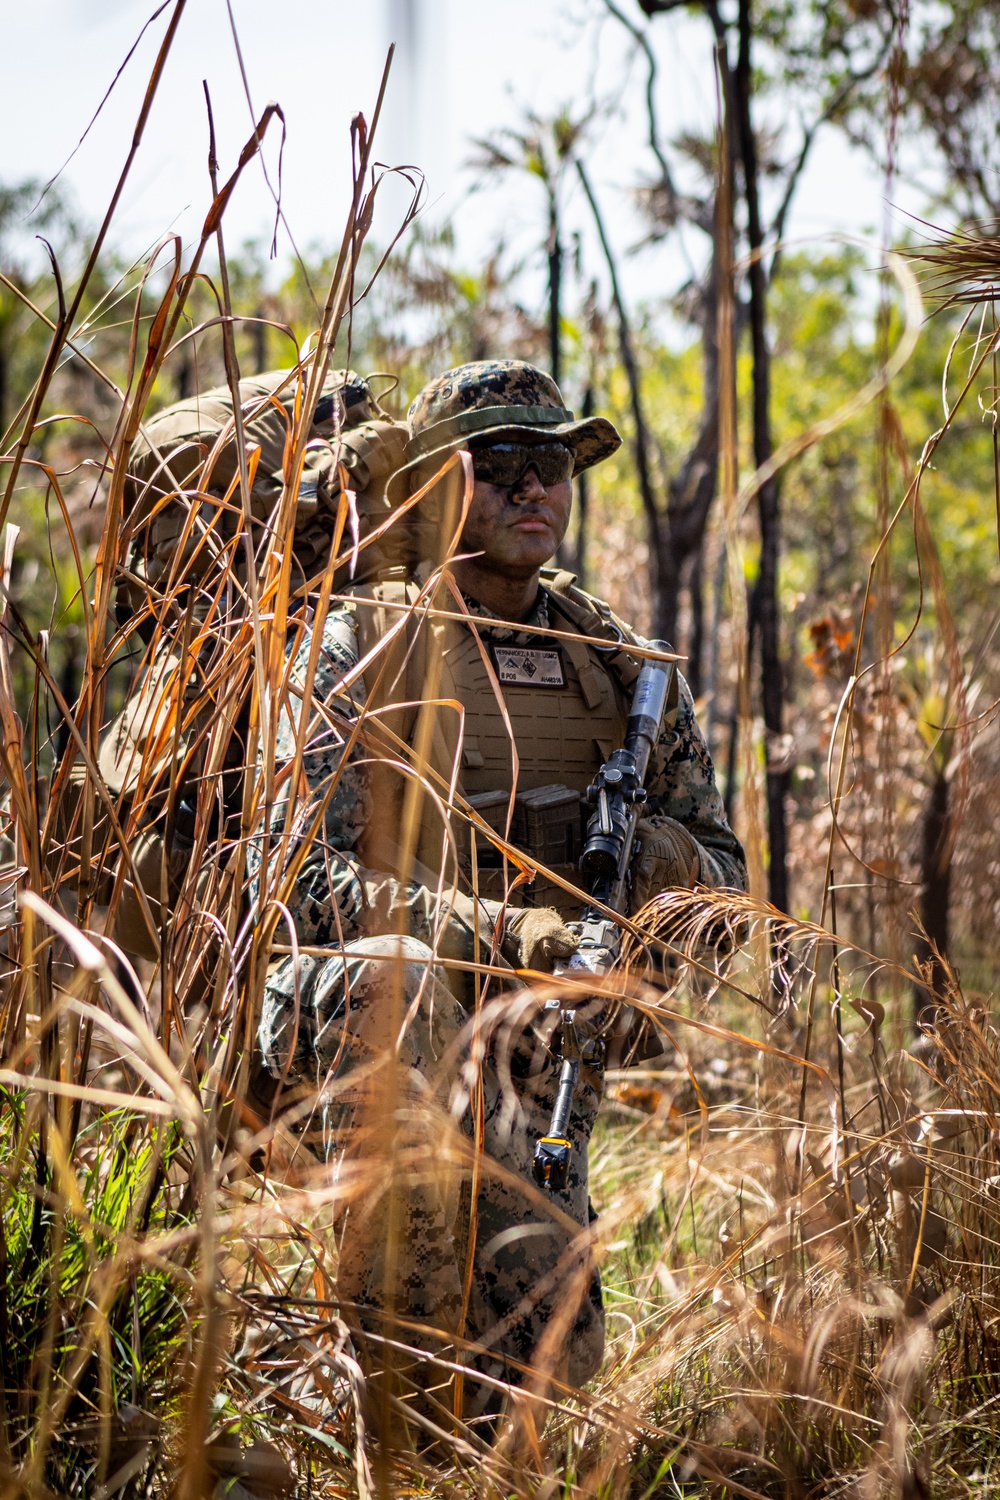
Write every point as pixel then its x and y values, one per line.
pixel 182 505
pixel 183 524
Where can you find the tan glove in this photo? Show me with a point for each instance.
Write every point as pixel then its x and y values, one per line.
pixel 668 857
pixel 535 937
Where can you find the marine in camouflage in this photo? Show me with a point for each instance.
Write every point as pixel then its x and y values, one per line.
pixel 381 992
pixel 337 899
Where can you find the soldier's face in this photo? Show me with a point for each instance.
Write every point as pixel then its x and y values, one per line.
pixel 517 530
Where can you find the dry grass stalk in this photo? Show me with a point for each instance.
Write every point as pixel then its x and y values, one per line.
pixel 802 1298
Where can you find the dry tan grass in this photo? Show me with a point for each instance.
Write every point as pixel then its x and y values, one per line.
pixel 798 1221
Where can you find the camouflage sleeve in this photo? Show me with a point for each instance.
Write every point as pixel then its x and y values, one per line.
pixel 682 786
pixel 334 898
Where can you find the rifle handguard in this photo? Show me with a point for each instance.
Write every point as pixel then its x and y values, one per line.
pixel 616 796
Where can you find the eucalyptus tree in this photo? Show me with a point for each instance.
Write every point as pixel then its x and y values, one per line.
pixel 677 528
pixel 544 149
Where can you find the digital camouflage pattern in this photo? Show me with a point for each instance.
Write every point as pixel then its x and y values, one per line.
pixel 339 901
pixel 528 1261
pixel 498 398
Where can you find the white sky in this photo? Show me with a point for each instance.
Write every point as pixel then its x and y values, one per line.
pixel 463 68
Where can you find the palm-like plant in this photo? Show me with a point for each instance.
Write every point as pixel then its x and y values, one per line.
pixel 543 149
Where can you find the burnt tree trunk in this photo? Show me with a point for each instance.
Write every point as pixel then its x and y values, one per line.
pixel 694 486
pixel 70 679
pixel 184 373
pixel 772 685
pixel 640 432
pixel 555 295
pixel 674 531
pixel 583 502
pixel 259 342
pixel 935 898
pixel 696 640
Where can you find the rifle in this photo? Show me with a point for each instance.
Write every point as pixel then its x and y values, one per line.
pixel 616 797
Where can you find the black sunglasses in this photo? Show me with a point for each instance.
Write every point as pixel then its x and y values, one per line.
pixel 503 464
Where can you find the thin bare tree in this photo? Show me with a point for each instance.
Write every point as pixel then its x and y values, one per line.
pixel 544 149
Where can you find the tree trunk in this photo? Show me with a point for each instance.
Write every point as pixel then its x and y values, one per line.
pixel 674 533
pixel 659 553
pixel 694 486
pixel 733 731
pixel 259 342
pixel 555 295
pixel 772 686
pixel 583 502
pixel 935 899
pixel 184 374
pixel 69 687
pixel 713 686
pixel 696 639
pixel 680 533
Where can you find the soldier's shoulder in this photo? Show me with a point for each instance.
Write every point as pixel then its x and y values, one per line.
pixel 372 609
pixel 393 585
pixel 592 611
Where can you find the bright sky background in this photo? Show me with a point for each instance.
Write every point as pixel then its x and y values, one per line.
pixel 463 68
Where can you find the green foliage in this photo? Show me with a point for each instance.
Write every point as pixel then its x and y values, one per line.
pixel 824 352
pixel 67 1230
pixel 932 62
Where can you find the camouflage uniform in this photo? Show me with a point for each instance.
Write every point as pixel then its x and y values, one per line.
pixel 535 1293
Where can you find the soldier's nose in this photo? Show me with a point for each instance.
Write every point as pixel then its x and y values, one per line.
pixel 529 487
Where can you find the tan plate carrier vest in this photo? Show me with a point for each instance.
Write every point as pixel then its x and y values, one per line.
pixel 562 734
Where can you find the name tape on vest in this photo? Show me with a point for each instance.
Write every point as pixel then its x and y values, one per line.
pixel 528 666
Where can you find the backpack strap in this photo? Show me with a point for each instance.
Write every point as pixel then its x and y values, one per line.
pixel 593 617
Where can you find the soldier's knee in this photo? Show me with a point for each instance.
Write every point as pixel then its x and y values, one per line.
pixel 398 1000
pixel 379 992
pixel 392 946
pixel 391 964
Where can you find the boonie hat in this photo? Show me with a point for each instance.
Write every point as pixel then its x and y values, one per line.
pixel 501 399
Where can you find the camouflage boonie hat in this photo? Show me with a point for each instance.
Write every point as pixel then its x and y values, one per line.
pixel 502 399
